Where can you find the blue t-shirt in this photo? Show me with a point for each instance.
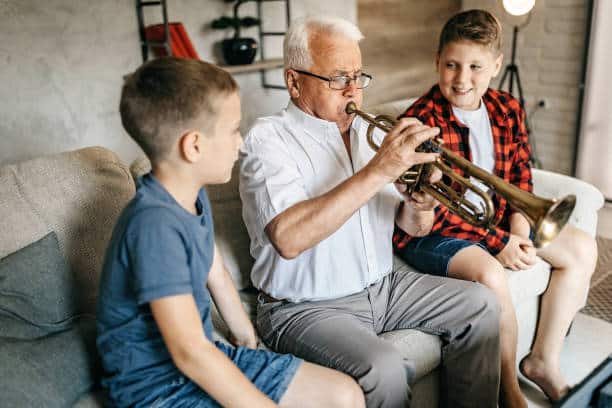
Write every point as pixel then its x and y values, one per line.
pixel 157 249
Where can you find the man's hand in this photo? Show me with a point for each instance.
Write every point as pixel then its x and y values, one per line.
pixel 518 254
pixel 397 151
pixel 419 201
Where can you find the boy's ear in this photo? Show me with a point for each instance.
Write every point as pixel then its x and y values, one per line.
pixel 190 146
pixel 292 83
pixel 498 64
pixel 437 62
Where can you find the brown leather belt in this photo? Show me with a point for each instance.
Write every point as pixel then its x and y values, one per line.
pixel 265 298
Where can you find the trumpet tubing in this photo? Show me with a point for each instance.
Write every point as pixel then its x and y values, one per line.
pixel 546 216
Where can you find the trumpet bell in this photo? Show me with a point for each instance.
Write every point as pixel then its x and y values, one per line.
pixel 548 226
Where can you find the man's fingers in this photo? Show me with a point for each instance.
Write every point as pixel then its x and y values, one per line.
pixel 435 176
pixel 424 157
pixel 418 197
pixel 401 187
pixel 402 127
pixel 417 135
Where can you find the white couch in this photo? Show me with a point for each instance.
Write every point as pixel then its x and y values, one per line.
pixel 79 195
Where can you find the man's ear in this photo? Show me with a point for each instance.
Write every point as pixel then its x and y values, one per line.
pixel 190 146
pixel 291 78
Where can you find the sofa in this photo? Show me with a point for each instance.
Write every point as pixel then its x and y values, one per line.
pixel 56 216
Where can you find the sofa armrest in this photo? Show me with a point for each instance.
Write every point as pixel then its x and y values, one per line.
pixel 588 198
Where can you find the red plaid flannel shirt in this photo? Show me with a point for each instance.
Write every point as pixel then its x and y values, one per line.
pixel 512 153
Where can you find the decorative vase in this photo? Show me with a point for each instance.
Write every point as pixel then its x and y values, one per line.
pixel 239 51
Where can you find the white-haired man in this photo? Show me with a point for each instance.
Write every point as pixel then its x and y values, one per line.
pixel 320 209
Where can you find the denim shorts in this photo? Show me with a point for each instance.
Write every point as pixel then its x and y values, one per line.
pixel 431 254
pixel 270 372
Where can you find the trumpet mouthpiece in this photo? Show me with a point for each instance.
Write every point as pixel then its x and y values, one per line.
pixel 351 107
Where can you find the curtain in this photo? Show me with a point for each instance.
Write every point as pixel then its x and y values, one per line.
pixel 594 159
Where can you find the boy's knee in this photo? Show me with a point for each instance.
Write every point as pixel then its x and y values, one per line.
pixel 348 394
pixel 493 275
pixel 585 252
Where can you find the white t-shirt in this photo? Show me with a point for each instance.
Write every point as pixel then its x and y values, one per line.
pixel 291 157
pixel 480 141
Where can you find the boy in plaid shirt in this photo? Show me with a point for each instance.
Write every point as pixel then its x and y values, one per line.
pixel 488 127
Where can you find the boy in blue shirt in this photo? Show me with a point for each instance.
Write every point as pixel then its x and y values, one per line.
pixel 162 266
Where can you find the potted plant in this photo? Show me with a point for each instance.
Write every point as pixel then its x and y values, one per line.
pixel 237 50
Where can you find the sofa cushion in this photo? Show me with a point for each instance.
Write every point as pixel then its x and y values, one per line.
pixel 51 371
pixel 79 195
pixel 529 283
pixel 35 291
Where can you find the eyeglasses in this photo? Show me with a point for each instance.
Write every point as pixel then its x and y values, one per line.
pixel 342 82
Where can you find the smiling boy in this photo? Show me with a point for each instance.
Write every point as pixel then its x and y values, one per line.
pixel 488 127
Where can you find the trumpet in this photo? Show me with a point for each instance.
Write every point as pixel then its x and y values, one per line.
pixel 547 217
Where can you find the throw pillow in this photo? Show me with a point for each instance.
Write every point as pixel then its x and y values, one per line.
pixel 35 291
pixel 51 371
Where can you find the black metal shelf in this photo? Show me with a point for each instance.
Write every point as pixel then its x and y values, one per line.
pixel 144 43
pixel 263 34
pixel 261 65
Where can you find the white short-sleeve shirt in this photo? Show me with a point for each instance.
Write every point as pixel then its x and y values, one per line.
pixel 291 157
pixel 481 144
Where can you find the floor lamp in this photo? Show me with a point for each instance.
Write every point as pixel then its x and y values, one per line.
pixel 511 71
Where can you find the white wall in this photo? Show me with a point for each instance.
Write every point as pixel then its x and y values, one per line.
pixel 595 147
pixel 61 64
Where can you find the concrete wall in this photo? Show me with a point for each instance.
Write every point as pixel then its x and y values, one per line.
pixel 61 64
pixel 549 55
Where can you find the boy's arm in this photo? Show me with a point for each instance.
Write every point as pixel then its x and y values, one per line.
pixel 195 356
pixel 227 300
pixel 519 225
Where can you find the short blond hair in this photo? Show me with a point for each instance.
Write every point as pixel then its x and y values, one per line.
pixel 167 95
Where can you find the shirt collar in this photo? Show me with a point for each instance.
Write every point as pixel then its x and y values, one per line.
pixel 318 128
pixel 496 110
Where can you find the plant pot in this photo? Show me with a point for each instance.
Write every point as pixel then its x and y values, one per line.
pixel 239 51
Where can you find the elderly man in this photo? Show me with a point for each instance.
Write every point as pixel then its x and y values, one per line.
pixel 320 208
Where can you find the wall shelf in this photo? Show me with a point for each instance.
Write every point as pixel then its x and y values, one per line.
pixel 255 66
pixel 261 65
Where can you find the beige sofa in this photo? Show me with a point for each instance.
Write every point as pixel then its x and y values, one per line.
pixel 79 195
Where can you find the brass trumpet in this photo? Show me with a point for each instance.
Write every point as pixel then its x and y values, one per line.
pixel 546 217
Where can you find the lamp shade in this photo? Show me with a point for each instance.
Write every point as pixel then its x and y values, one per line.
pixel 518 7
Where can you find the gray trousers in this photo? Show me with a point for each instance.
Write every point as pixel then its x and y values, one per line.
pixel 342 334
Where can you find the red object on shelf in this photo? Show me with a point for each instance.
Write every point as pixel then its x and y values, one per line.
pixel 180 44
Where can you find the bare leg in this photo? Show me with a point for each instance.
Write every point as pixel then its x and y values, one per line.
pixel 475 264
pixel 316 386
pixel 573 256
